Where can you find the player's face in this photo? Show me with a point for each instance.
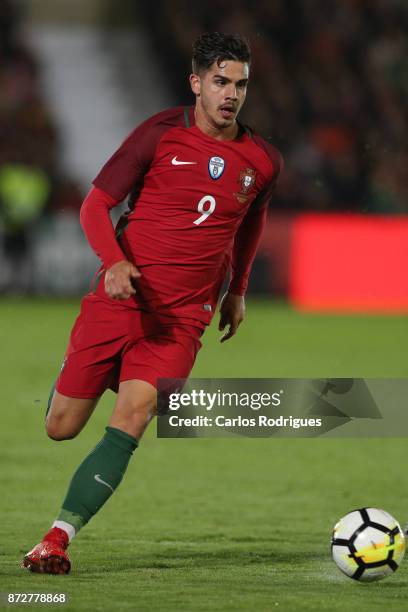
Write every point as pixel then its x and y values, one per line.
pixel 222 91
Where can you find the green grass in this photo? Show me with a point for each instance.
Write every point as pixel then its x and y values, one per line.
pixel 237 524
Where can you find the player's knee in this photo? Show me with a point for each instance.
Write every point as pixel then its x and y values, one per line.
pixel 133 418
pixel 135 407
pixel 58 430
pixel 138 419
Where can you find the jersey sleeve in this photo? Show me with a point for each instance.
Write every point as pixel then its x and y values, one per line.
pixel 248 236
pixel 126 168
pixel 98 229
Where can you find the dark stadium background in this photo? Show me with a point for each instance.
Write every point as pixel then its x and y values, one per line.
pixel 328 87
pixel 209 524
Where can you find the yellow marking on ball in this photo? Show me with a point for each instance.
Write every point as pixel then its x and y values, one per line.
pixel 379 552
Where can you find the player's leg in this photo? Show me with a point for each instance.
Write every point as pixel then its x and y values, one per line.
pixel 102 470
pixel 67 416
pixel 92 484
pixel 169 355
pixel 135 407
pixel 90 367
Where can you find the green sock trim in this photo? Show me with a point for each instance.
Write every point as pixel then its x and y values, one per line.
pixel 73 519
pixel 133 442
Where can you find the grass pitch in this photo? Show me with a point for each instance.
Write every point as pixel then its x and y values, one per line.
pixel 237 524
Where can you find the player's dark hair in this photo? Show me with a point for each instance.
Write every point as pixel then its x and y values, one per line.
pixel 215 47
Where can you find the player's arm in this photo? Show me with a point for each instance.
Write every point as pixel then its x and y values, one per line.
pixel 232 306
pixel 246 242
pixel 98 229
pixel 121 173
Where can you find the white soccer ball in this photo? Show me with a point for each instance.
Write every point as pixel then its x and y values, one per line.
pixel 368 544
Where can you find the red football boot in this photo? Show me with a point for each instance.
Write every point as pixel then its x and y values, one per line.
pixel 49 556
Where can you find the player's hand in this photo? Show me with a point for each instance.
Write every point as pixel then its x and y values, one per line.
pixel 118 280
pixel 232 311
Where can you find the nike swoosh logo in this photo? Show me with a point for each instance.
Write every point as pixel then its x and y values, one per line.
pixel 99 479
pixel 176 162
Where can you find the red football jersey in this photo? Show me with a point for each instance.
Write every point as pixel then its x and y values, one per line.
pixel 195 202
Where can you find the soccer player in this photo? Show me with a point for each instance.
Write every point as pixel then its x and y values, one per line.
pixel 199 185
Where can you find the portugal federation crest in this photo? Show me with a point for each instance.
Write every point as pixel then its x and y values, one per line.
pixel 247 181
pixel 216 167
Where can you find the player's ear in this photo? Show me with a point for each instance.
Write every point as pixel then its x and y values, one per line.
pixel 195 83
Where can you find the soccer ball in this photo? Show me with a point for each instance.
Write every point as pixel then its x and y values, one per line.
pixel 368 544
